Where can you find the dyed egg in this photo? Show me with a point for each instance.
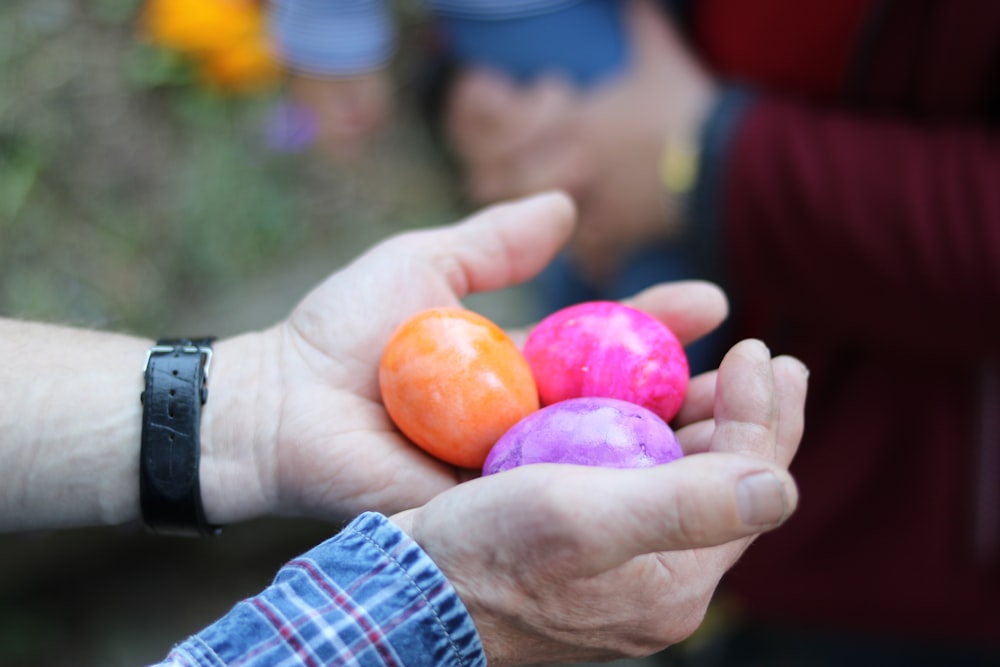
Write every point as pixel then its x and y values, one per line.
pixel 603 348
pixel 453 382
pixel 586 431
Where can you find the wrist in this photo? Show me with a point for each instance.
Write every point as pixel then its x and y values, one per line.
pixel 239 431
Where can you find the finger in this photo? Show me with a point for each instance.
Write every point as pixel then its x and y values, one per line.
pixel 699 402
pixel 476 112
pixel 544 107
pixel 690 308
pixel 791 382
pixel 746 403
pixel 532 115
pixel 496 248
pixel 695 426
pixel 531 149
pixel 552 163
pixel 694 502
pixel 503 245
pixel 696 438
pixel 558 160
pixel 790 379
pixel 546 149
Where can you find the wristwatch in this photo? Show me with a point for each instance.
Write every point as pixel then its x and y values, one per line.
pixel 176 388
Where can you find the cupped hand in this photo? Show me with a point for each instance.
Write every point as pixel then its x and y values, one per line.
pixel 315 438
pixel 310 435
pixel 562 563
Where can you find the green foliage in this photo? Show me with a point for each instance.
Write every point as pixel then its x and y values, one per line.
pixel 153 67
pixel 123 186
pixel 20 166
pixel 129 192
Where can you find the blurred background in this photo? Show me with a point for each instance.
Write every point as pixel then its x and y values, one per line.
pixel 136 196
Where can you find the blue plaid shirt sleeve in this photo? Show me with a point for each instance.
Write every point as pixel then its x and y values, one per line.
pixel 368 596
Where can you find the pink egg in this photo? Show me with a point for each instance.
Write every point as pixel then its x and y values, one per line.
pixel 603 432
pixel 604 348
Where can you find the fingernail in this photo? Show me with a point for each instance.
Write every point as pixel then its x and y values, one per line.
pixel 761 499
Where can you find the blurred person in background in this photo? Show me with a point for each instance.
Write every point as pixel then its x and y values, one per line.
pixel 338 54
pixel 846 161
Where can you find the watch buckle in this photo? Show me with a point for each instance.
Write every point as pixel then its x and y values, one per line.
pixel 205 352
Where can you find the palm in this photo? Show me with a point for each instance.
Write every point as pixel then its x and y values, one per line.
pixel 331 345
pixel 359 461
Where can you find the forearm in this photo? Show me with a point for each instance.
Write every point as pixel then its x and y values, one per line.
pixel 70 402
pixel 71 420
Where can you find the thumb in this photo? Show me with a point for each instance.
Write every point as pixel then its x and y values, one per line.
pixel 504 244
pixel 701 500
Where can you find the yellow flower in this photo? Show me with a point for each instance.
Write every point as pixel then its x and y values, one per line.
pixel 243 67
pixel 227 39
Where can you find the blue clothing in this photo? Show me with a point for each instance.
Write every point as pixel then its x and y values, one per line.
pixel 585 40
pixel 368 596
pixel 582 39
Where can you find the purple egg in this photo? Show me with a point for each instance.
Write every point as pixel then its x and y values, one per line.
pixel 592 431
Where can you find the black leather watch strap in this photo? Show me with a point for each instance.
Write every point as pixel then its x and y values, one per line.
pixel 176 375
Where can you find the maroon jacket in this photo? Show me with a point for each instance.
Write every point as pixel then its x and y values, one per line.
pixel 860 223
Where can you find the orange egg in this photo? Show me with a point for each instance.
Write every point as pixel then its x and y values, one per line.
pixel 453 382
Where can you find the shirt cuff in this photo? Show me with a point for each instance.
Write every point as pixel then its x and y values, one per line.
pixel 368 596
pixel 326 38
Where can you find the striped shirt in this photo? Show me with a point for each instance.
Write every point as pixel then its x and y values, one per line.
pixel 368 596
pixel 344 37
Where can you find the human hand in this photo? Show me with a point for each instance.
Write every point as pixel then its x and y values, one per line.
pixel 602 145
pixel 308 434
pixel 348 111
pixel 311 435
pixel 560 563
